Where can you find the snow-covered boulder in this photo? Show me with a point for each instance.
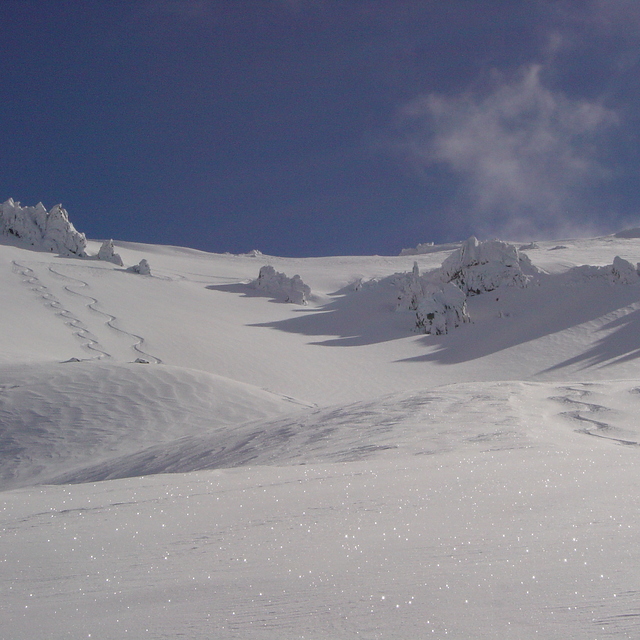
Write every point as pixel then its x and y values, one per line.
pixel 441 309
pixel 280 286
pixel 142 268
pixel 108 253
pixel 477 267
pixel 48 230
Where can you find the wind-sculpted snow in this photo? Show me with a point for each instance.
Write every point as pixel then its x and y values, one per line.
pixel 280 286
pixel 487 417
pixel 478 267
pixel 58 417
pixel 48 230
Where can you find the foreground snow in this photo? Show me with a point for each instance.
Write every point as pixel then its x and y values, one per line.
pixel 484 542
pixel 229 466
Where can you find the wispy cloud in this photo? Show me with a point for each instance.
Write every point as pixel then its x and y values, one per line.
pixel 524 155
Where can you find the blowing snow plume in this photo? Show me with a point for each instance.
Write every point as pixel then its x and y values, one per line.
pixel 524 156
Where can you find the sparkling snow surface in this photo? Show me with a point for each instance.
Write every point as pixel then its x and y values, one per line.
pixel 181 456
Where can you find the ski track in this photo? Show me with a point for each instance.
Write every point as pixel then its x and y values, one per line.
pixel 111 319
pixel 70 319
pixel 576 396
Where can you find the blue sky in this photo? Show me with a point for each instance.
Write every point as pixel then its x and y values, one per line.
pixel 320 127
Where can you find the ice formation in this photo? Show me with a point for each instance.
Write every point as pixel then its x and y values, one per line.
pixel 48 230
pixel 280 286
pixel 477 267
pixel 107 252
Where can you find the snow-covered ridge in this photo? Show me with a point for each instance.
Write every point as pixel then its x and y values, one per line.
pixel 48 230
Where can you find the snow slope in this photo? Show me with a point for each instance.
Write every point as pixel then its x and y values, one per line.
pixel 183 456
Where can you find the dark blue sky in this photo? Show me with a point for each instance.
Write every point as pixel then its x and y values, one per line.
pixel 319 127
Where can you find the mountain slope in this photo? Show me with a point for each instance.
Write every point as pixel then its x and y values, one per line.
pixel 232 466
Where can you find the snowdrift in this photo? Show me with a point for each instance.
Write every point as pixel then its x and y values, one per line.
pixel 58 417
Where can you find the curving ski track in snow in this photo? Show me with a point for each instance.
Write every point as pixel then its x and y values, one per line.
pixel 79 329
pixel 577 397
pixel 111 319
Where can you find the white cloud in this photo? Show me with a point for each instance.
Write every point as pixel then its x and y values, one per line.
pixel 523 153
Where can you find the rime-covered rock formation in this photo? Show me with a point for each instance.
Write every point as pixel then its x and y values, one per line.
pixel 620 272
pixel 442 309
pixel 477 267
pixel 280 286
pixel 142 268
pixel 439 307
pixel 439 297
pixel 108 254
pixel 48 230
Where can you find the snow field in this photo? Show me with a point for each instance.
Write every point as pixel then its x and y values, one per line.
pixel 281 472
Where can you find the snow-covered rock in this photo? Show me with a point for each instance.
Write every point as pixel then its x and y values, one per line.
pixel 48 230
pixel 441 309
pixel 412 287
pixel 108 254
pixel 142 268
pixel 280 286
pixel 477 267
pixel 620 272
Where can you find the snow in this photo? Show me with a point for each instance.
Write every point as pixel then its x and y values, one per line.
pixel 621 271
pixel 280 286
pixel 321 470
pixel 479 267
pixel 439 307
pixel 142 268
pixel 49 230
pixel 108 252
